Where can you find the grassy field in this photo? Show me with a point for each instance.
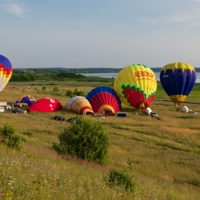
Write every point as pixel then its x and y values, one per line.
pixel 165 153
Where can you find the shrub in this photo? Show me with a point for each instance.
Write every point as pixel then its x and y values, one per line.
pixel 7 130
pixel 76 92
pixel 85 139
pixel 121 179
pixel 56 89
pixel 9 138
pixel 69 93
pixel 44 88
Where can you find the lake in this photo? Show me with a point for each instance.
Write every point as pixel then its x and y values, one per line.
pixel 112 75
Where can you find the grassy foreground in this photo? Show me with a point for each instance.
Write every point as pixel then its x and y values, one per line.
pixel 165 153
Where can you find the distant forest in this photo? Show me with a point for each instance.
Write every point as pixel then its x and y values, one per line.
pixel 74 70
pixel 59 74
pixel 81 70
pixel 32 74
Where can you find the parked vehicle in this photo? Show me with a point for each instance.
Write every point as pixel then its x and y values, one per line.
pixel 72 119
pixel 16 110
pixel 58 118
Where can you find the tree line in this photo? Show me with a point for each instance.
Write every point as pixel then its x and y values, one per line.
pixel 25 75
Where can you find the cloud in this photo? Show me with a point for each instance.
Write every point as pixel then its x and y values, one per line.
pixel 13 8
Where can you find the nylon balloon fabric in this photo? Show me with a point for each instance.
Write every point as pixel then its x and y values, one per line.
pixel 45 105
pixel 104 98
pixel 79 105
pixel 136 86
pixel 26 99
pixel 5 71
pixel 178 79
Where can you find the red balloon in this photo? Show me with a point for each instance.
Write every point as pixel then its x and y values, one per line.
pixel 45 105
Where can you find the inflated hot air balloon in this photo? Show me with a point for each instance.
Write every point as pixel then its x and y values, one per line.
pixel 136 86
pixel 5 71
pixel 104 99
pixel 26 100
pixel 45 105
pixel 79 105
pixel 177 79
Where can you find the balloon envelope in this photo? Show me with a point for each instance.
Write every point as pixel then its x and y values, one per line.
pixel 26 100
pixel 104 98
pixel 178 79
pixel 5 71
pixel 45 105
pixel 79 105
pixel 136 85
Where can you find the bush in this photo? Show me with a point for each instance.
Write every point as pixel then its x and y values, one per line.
pixel 85 139
pixel 9 138
pixel 7 130
pixel 121 179
pixel 56 89
pixel 69 93
pixel 44 88
pixel 76 92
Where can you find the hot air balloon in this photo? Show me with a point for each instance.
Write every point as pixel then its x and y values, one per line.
pixel 45 105
pixel 5 71
pixel 104 99
pixel 136 86
pixel 177 79
pixel 79 105
pixel 26 100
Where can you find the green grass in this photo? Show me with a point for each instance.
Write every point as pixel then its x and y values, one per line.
pixel 165 152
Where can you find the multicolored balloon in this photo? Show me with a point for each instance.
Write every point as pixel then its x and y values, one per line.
pixel 79 105
pixel 136 86
pixel 178 79
pixel 5 71
pixel 103 99
pixel 26 100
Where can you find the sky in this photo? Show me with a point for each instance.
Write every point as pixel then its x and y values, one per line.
pixel 99 33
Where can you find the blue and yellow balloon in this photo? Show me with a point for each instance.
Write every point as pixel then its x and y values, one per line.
pixel 178 79
pixel 5 71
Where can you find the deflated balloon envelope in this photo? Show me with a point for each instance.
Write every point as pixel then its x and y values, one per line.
pixel 5 71
pixel 136 86
pixel 79 105
pixel 104 98
pixel 178 79
pixel 45 105
pixel 26 100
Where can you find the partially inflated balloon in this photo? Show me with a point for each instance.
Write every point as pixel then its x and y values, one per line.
pixel 178 79
pixel 5 71
pixel 79 105
pixel 45 105
pixel 136 86
pixel 104 98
